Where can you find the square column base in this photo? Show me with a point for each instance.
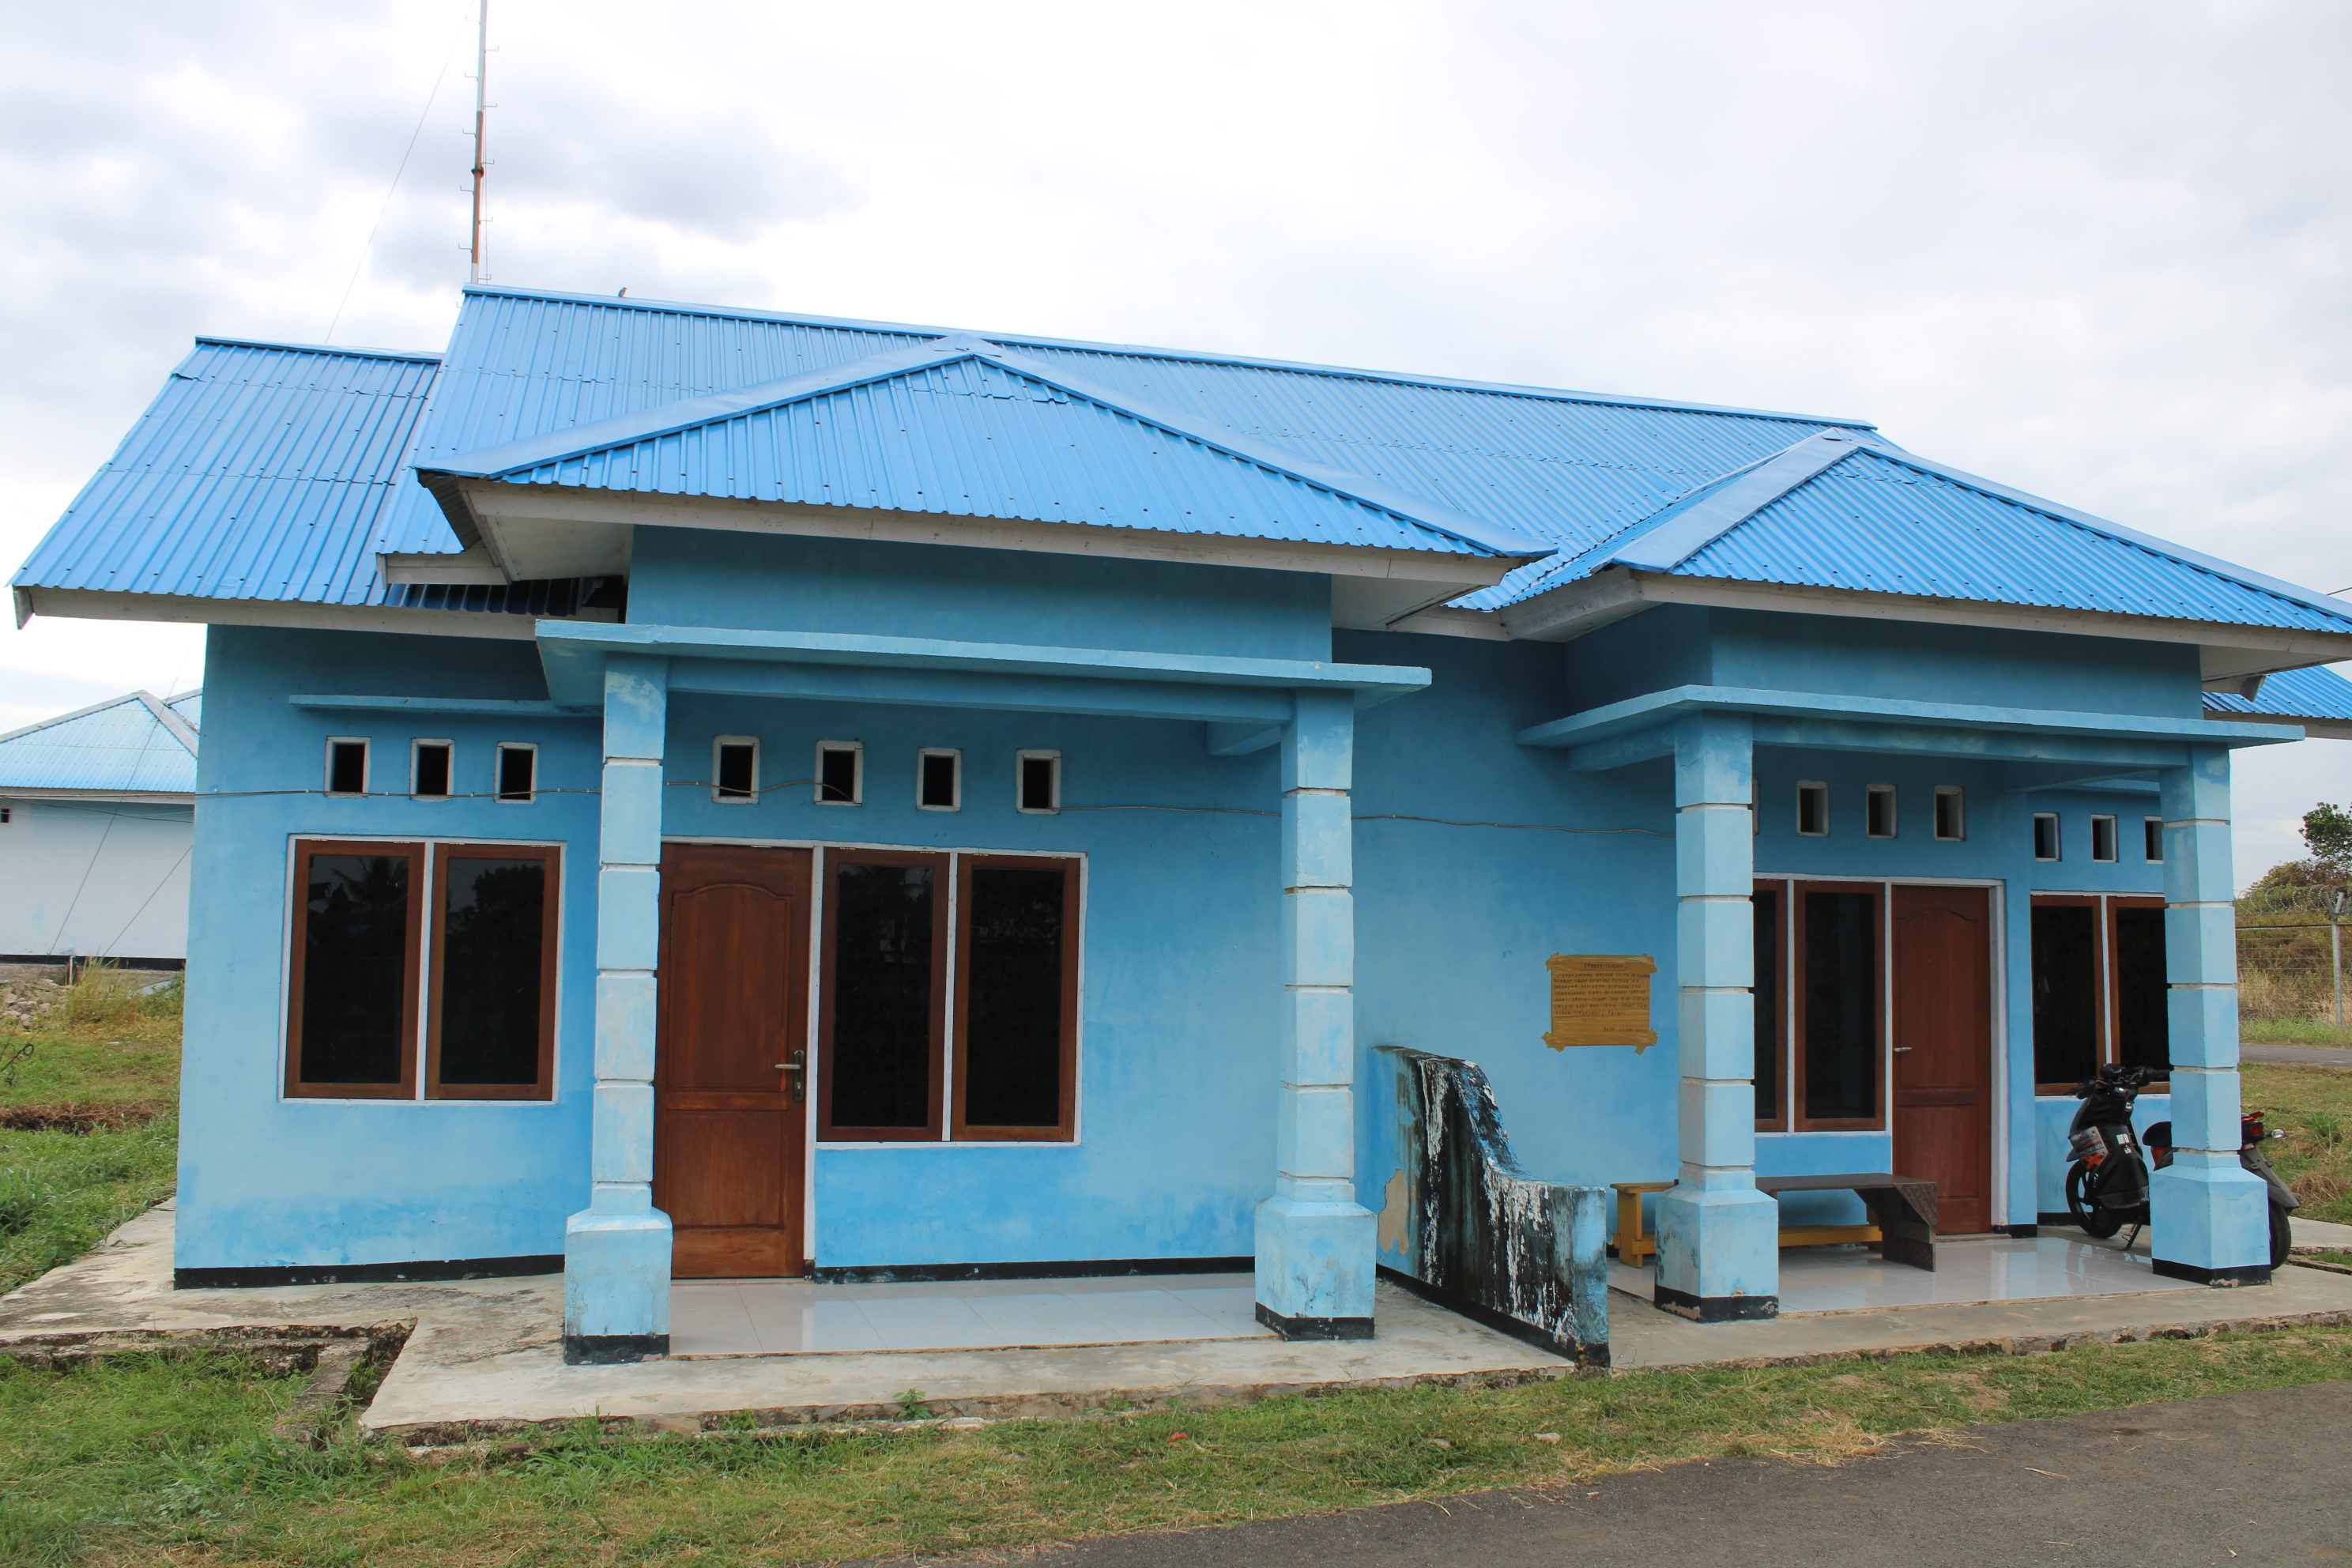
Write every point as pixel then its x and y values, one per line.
pixel 1719 1253
pixel 2209 1221
pixel 1315 1268
pixel 616 1287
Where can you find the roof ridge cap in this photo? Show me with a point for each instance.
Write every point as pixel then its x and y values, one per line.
pixel 1146 351
pixel 214 340
pixel 174 725
pixel 51 723
pixel 1715 508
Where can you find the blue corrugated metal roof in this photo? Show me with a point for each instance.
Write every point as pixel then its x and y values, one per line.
pixel 962 428
pixel 2320 694
pixel 257 473
pixel 281 473
pixel 123 747
pixel 1882 522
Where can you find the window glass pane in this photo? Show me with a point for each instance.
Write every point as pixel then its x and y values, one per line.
pixel 735 772
pixel 1841 1006
pixel 515 769
pixel 2143 1027
pixel 837 776
pixel 1012 998
pixel 2065 993
pixel 938 779
pixel 882 1011
pixel 1767 1006
pixel 432 770
pixel 347 767
pixel 354 968
pixel 493 914
pixel 1037 793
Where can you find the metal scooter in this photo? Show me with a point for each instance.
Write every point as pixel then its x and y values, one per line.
pixel 2107 1178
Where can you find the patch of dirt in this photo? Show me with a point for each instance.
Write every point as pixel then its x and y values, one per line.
pixel 76 1116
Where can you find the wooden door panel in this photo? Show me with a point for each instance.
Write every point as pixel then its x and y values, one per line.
pixel 1942 1123
pixel 730 1128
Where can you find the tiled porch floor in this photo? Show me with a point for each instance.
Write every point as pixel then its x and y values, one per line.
pixel 793 1317
pixel 1853 1278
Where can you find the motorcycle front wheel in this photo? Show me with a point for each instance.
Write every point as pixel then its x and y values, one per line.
pixel 2084 1210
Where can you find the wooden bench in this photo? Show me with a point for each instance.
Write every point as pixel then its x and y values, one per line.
pixel 1903 1207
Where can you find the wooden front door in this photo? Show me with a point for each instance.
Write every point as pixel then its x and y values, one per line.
pixel 1943 1048
pixel 730 1117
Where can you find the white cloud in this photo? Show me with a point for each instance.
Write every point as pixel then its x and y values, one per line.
pixel 2097 250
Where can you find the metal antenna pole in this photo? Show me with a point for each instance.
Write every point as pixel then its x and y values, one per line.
pixel 481 89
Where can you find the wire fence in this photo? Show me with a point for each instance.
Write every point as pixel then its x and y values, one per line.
pixel 2291 955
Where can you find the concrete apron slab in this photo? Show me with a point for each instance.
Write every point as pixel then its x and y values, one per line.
pixel 485 1357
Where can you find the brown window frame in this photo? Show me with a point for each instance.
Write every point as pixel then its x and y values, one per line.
pixel 2104 906
pixel 305 849
pixel 1064 1127
pixel 1798 1121
pixel 827 1130
pixel 552 857
pixel 1772 1056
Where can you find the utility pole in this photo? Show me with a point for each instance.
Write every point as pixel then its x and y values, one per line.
pixel 482 103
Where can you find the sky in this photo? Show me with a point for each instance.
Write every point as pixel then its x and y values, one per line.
pixel 2094 248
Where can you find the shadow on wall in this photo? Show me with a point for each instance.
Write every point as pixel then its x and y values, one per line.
pixel 1480 1237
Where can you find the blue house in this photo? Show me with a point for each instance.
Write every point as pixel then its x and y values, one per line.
pixel 692 791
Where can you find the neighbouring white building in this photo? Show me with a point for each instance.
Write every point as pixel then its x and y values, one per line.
pixel 97 815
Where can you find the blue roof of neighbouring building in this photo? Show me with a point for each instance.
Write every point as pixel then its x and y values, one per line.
pixel 2317 693
pixel 282 472
pixel 139 744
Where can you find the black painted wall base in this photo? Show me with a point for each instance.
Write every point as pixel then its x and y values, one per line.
pixel 1501 1322
pixel 368 1273
pixel 2220 1278
pixel 1081 1269
pixel 2022 1232
pixel 1716 1308
pixel 2062 1217
pixel 613 1350
pixel 1314 1328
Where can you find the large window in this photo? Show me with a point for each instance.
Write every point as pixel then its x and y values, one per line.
pixel 2099 988
pixel 1821 1005
pixel 406 950
pixel 948 1006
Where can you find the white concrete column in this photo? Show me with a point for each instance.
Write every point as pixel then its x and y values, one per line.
pixel 616 1251
pixel 2209 1217
pixel 1718 1238
pixel 1315 1243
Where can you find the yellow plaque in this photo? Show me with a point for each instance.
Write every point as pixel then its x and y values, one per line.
pixel 1601 999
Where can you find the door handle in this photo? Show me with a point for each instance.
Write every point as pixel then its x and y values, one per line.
pixel 1899 1048
pixel 798 1067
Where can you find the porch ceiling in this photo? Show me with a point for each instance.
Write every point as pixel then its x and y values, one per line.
pixel 917 670
pixel 1643 727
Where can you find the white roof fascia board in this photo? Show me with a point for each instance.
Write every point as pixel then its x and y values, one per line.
pixel 111 605
pixel 1565 614
pixel 493 501
pixel 469 567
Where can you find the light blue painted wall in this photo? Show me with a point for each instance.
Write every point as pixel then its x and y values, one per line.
pixel 268 1182
pixel 696 577
pixel 1676 645
pixel 1182 955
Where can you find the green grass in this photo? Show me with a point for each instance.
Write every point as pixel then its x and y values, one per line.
pixel 2293 1032
pixel 105 1047
pixel 2312 1105
pixel 168 1461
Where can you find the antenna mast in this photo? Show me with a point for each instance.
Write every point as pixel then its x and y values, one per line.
pixel 481 89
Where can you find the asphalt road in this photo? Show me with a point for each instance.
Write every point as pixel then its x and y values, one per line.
pixel 2237 1478
pixel 2325 1055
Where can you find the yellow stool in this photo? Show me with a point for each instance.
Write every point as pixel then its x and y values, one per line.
pixel 1633 1244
